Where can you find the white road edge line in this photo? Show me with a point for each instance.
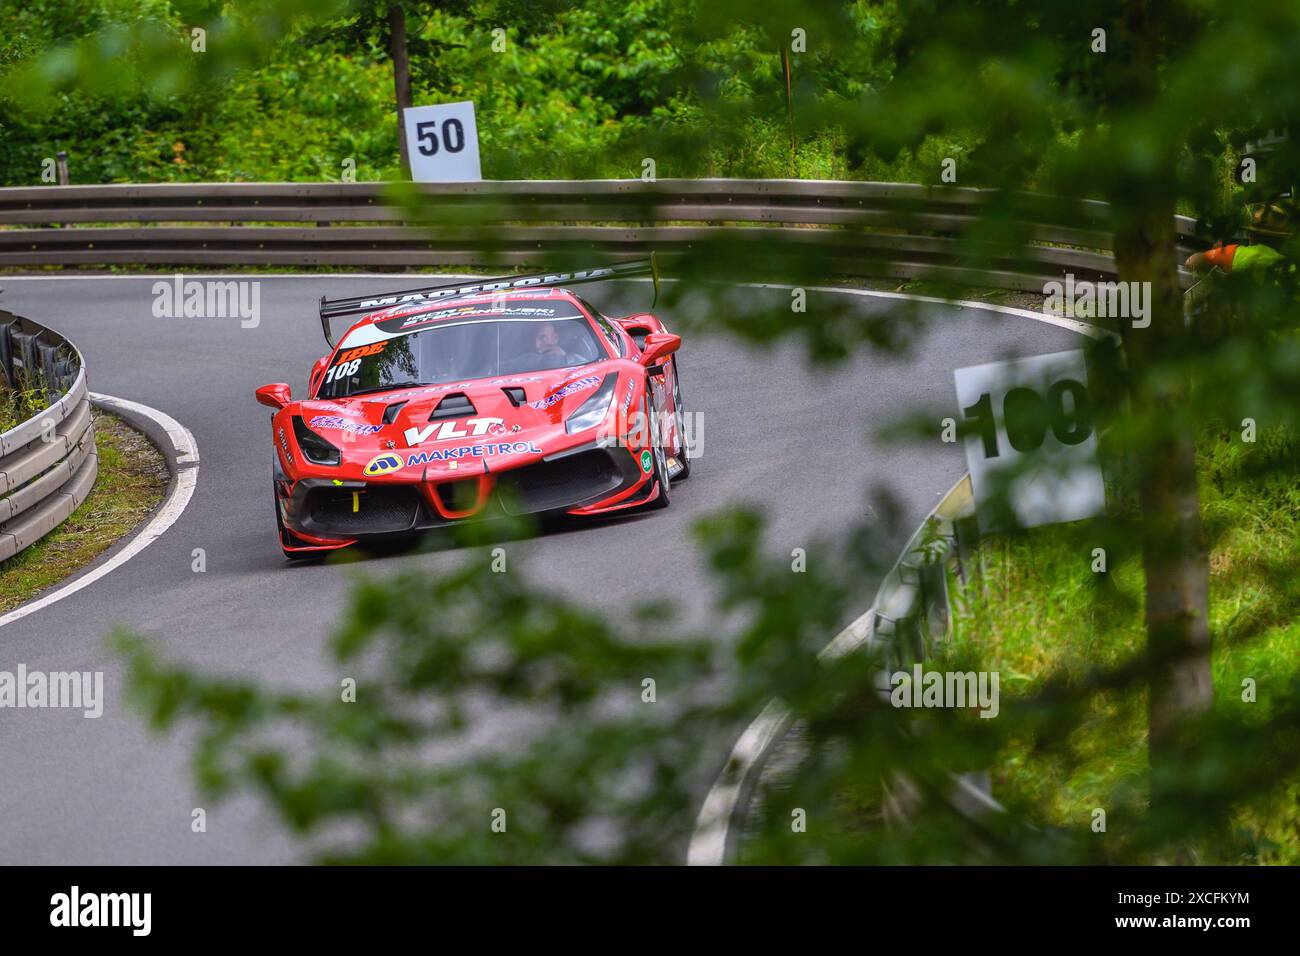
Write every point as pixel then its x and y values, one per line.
pixel 186 459
pixel 708 846
pixel 1072 325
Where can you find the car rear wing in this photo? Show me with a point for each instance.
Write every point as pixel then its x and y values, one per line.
pixel 360 305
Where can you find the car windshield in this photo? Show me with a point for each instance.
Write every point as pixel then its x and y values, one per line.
pixel 460 349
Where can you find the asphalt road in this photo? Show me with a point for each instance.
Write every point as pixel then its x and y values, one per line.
pixel 106 791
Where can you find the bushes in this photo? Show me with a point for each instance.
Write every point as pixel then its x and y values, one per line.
pixel 580 90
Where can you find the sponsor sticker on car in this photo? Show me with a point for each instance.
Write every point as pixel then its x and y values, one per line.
pixel 343 424
pixel 474 451
pixel 569 388
pixel 382 465
pixel 446 431
pixel 347 355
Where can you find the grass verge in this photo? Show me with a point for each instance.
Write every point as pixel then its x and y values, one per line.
pixel 132 480
pixel 1037 609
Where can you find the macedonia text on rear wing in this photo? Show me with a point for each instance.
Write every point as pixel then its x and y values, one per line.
pixel 359 305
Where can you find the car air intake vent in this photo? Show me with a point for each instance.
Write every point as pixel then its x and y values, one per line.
pixel 455 405
pixel 390 413
pixel 516 395
pixel 458 495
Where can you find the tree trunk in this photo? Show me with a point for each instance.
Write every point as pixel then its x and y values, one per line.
pixel 401 75
pixel 1173 546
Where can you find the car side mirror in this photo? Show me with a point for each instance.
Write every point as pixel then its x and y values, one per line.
pixel 658 346
pixel 275 396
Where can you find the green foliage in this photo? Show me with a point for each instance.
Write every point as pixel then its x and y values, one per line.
pixel 1013 91
pixel 592 770
pixel 120 86
pixel 581 90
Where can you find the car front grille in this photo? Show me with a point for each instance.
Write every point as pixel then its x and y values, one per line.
pixel 564 482
pixel 380 509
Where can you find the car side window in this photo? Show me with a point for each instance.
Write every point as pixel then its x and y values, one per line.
pixel 605 326
pixel 611 333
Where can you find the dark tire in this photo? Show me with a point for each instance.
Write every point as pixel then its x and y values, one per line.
pixel 683 459
pixel 662 481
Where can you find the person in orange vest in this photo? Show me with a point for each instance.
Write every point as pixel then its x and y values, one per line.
pixel 1234 257
pixel 1270 224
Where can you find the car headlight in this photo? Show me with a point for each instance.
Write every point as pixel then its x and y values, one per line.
pixel 314 448
pixel 593 411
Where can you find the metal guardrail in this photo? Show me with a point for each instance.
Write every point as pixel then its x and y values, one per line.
pixel 892 230
pixel 913 612
pixel 48 463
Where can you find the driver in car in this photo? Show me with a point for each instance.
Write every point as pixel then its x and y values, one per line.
pixel 546 341
pixel 546 351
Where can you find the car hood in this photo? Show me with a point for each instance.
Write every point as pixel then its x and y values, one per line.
pixel 514 415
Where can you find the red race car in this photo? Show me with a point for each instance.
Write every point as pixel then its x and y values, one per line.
pixel 507 396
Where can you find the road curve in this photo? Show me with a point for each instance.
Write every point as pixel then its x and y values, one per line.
pixel 105 791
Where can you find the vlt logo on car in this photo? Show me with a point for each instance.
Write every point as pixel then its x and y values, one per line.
pixel 448 430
